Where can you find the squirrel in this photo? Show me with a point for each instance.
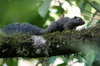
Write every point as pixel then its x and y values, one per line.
pixel 64 23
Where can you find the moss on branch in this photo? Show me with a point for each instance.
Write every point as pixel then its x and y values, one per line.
pixel 57 43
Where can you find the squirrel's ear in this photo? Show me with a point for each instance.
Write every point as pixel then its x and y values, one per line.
pixel 75 17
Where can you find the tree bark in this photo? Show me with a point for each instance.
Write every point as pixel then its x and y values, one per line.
pixel 51 44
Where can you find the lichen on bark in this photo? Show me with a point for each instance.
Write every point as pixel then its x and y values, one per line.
pixel 57 43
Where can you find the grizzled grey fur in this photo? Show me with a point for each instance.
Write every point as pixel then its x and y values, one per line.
pixel 64 23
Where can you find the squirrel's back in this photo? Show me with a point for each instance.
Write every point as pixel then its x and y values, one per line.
pixel 64 23
pixel 21 28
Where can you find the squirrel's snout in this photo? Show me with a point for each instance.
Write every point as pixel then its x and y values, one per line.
pixel 82 21
pixel 79 19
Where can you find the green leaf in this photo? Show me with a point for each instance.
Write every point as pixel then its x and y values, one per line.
pixel 80 59
pixel 63 64
pixel 83 5
pixel 43 9
pixel 60 10
pixel 65 59
pixel 1 62
pixel 89 57
pixel 23 11
pixel 51 60
pixel 95 4
pixel 11 61
pixel 98 21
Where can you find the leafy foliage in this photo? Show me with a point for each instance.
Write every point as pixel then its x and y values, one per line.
pixel 31 11
pixel 37 12
pixel 95 4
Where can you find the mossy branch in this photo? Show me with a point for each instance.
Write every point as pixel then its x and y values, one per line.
pixel 57 43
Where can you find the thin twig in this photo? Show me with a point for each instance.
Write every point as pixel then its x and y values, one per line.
pixel 60 4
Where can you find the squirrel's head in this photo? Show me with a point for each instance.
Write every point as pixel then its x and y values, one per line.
pixel 73 23
pixel 77 21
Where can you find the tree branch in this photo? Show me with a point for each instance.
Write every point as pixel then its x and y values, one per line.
pixel 52 44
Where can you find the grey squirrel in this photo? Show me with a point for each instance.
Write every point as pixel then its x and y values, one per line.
pixel 64 23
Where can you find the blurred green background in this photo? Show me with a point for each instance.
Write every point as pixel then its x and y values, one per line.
pixel 42 13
